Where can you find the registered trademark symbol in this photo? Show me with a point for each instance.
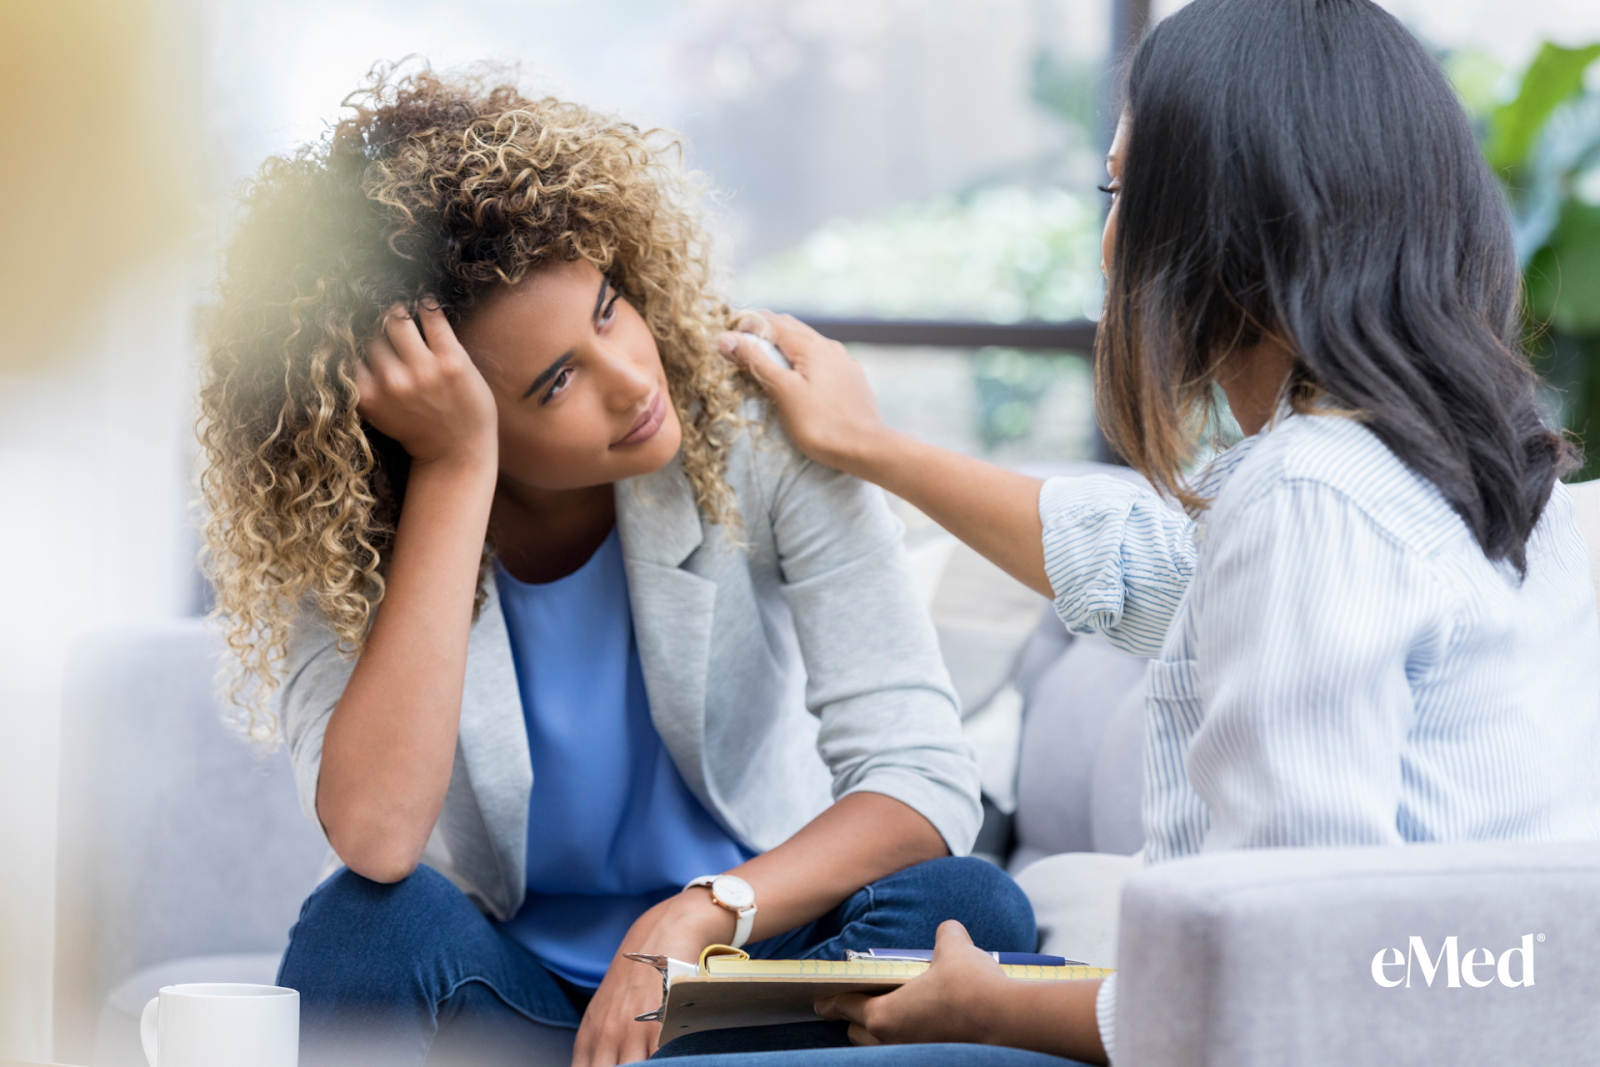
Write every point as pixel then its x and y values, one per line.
pixel 1541 937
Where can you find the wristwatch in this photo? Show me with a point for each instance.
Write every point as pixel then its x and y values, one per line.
pixel 734 893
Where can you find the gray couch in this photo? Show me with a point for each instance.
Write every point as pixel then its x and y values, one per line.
pixel 1267 958
pixel 184 857
pixel 182 852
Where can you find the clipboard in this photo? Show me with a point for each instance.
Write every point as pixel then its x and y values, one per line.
pixel 728 988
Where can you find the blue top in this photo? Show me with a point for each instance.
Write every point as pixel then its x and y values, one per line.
pixel 612 829
pixel 1336 662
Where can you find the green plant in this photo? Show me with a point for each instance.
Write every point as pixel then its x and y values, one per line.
pixel 1544 144
pixel 1067 90
pixel 1000 254
pixel 1010 384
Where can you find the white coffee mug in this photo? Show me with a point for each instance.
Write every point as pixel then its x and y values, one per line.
pixel 222 1024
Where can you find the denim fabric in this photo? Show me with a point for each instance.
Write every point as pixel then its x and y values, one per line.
pixel 905 909
pixel 384 968
pixel 387 970
pixel 878 1056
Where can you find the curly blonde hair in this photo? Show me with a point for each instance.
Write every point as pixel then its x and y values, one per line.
pixel 444 186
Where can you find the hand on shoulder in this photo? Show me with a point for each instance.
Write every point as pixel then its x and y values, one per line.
pixel 823 398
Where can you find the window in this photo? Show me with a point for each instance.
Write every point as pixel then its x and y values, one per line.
pixel 924 160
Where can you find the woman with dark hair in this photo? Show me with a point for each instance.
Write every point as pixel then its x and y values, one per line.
pixel 1376 625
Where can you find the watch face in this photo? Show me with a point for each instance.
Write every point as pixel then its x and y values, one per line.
pixel 733 892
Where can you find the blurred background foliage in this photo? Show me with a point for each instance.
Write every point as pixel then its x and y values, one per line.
pixel 1013 245
pixel 994 253
pixel 1540 130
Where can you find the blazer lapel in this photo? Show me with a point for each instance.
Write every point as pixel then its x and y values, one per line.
pixel 660 528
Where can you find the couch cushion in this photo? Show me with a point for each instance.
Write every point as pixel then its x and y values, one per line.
pixel 984 618
pixel 1076 898
pixel 177 839
pixel 1064 724
pixel 1116 820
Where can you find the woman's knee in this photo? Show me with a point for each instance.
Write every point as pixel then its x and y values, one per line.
pixel 362 930
pixel 416 902
pixel 983 898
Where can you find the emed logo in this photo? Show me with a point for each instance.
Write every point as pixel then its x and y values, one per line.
pixel 1456 966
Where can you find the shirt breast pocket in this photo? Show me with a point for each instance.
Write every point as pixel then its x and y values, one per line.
pixel 1173 688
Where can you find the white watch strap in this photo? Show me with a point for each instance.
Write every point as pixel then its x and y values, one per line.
pixel 746 918
pixel 741 932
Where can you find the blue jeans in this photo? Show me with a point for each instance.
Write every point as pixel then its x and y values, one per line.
pixel 388 972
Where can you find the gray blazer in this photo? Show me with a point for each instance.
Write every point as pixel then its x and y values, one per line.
pixel 782 675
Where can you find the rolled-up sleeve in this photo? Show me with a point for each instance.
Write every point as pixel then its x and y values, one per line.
pixel 890 720
pixel 1118 559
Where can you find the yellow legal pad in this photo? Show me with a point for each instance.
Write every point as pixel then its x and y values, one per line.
pixel 734 990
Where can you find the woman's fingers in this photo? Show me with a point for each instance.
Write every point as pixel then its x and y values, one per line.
pixel 860 1035
pixel 825 402
pixel 610 1045
pixel 951 938
pixel 746 352
pixel 436 331
pixel 401 330
pixel 846 1007
pixel 388 370
pixel 608 1034
pixel 853 1008
pixel 425 392
pixel 827 1009
pixel 801 343
pixel 582 1046
pixel 926 1008
pixel 361 374
pixel 754 322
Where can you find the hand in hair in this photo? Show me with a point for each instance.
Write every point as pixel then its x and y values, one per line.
pixel 418 386
pixel 390 742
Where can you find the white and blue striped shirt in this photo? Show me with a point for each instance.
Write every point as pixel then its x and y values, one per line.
pixel 1337 663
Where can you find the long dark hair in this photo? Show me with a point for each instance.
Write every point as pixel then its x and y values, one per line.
pixel 1301 169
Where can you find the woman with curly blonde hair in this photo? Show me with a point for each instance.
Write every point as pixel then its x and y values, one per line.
pixel 556 629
